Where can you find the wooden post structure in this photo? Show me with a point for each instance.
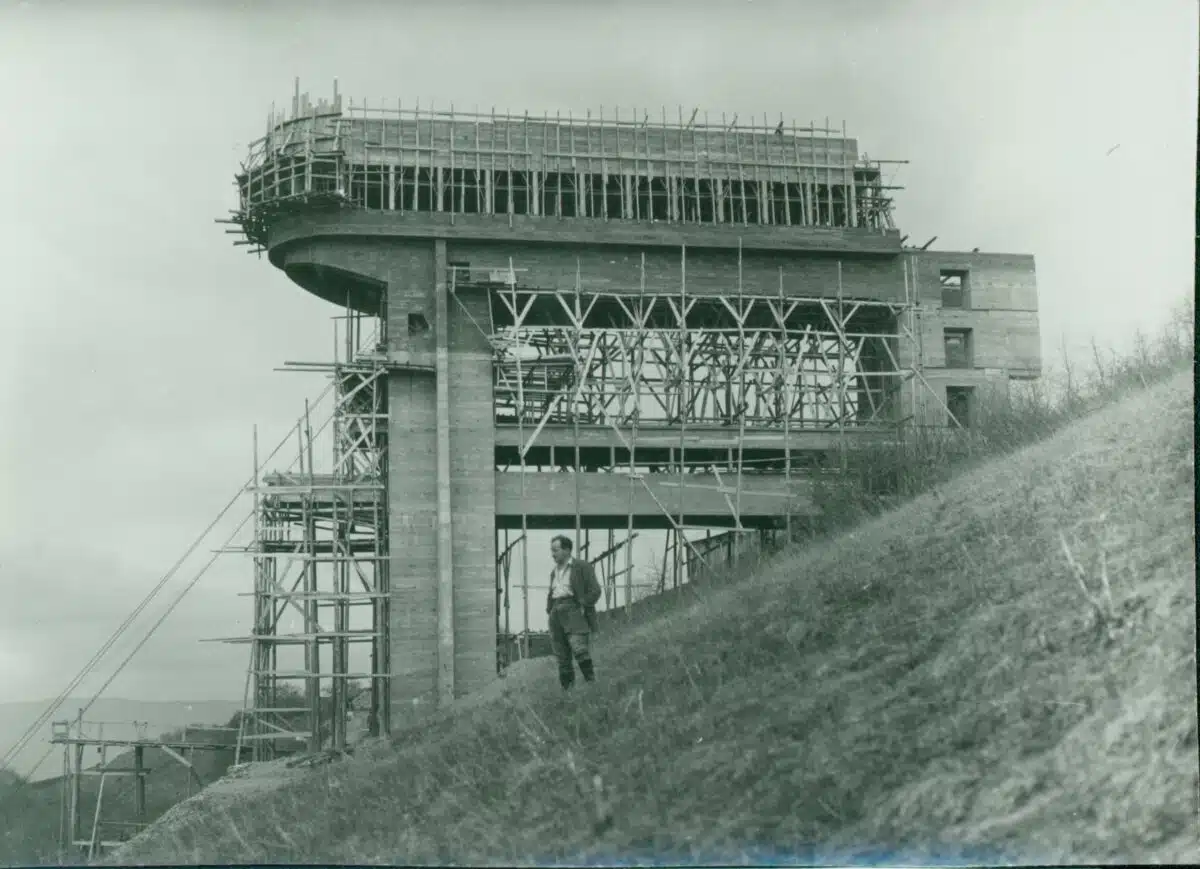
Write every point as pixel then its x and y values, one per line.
pixel 581 374
pixel 634 366
pixel 519 329
pixel 139 784
pixel 841 360
pixel 786 387
pixel 683 408
pixel 77 782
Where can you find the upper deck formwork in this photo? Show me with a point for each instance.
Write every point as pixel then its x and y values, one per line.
pixel 617 165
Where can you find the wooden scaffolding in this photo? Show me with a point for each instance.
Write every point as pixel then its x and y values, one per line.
pixel 79 838
pixel 320 554
pixel 654 365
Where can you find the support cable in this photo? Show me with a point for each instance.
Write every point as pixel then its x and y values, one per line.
pixel 87 669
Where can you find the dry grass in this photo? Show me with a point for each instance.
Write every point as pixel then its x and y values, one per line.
pixel 932 685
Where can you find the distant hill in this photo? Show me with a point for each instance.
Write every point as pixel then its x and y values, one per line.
pixel 118 715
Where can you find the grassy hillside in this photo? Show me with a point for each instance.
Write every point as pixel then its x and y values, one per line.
pixel 30 813
pixel 942 681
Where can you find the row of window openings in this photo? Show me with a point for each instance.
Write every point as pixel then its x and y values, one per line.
pixel 626 197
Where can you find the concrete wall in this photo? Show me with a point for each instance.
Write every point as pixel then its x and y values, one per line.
pixel 602 494
pixel 1001 312
pixel 412 533
pixel 709 272
pixel 931 395
pixel 997 281
pixel 1001 309
pixel 361 225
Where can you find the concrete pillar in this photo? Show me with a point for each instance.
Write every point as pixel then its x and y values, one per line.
pixel 445 528
pixel 441 479
pixel 473 492
pixel 412 482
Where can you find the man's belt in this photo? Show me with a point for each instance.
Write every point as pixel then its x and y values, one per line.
pixel 554 601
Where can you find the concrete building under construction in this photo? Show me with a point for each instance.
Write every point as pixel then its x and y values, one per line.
pixel 621 322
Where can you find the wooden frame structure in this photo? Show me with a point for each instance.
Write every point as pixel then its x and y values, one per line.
pixel 652 364
pixel 755 172
pixel 80 734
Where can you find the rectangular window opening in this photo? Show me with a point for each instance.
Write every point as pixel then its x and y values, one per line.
pixel 659 208
pixel 595 195
pixel 749 204
pixel 568 195
pixel 958 348
pixel 954 288
pixel 960 401
pixel 425 185
pixel 500 193
pixel 614 197
pixel 521 193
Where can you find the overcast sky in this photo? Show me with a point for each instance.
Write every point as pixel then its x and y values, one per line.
pixel 139 343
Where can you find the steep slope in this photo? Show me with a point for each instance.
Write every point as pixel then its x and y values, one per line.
pixel 932 684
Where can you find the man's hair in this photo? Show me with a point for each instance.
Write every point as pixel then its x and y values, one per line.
pixel 563 542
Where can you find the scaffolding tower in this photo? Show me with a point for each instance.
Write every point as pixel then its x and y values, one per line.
pixel 320 554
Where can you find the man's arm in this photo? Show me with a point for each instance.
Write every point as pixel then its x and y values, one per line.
pixel 591 587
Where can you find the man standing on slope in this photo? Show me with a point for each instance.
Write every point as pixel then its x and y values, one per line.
pixel 571 605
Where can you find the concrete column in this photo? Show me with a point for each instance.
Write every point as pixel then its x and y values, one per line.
pixel 445 530
pixel 472 491
pixel 412 482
